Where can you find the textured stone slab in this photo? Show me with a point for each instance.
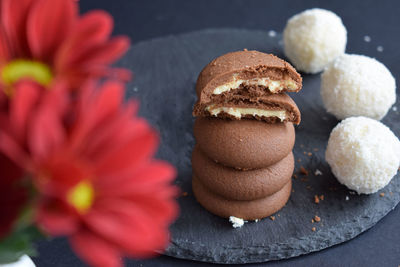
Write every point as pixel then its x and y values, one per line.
pixel 165 74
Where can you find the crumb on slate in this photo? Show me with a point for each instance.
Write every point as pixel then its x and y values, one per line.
pixel 245 49
pixel 298 160
pixel 316 199
pixel 295 176
pixel 317 219
pixel 321 197
pixel 312 221
pixel 317 172
pixel 347 198
pixel 367 38
pixel 313 229
pixel 303 170
pixel 292 190
pixel 272 218
pixel 304 179
pixel 279 215
pixel 382 194
pixel 309 154
pixel 379 48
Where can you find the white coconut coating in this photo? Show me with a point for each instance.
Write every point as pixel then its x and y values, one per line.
pixel 363 153
pixel 355 85
pixel 314 38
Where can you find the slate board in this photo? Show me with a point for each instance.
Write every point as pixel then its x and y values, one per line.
pixel 165 71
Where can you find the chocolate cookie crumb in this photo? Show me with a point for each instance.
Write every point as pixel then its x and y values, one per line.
pixel 313 229
pixel 303 170
pixel 309 154
pixel 272 218
pixel 316 199
pixel 382 194
pixel 317 219
pixel 322 197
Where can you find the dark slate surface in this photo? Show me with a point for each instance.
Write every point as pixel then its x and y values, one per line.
pixel 166 71
pixel 146 19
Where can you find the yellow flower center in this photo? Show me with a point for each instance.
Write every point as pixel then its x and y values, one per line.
pixel 21 68
pixel 81 196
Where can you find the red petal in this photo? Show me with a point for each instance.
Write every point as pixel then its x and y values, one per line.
pixel 21 106
pixel 12 149
pixel 95 109
pixel 127 225
pixel 151 177
pixel 46 134
pixel 48 25
pixel 94 250
pixel 56 218
pixel 4 47
pixel 14 18
pixel 129 155
pixel 106 53
pixel 93 28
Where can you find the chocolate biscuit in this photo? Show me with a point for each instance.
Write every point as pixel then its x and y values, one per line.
pixel 241 185
pixel 239 85
pixel 247 210
pixel 244 144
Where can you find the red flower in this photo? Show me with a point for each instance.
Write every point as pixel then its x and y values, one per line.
pixel 94 170
pixel 13 195
pixel 47 41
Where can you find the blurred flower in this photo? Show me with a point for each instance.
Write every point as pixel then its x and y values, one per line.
pixel 93 167
pixel 47 41
pixel 13 194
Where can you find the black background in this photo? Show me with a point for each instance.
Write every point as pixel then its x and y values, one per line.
pixel 146 19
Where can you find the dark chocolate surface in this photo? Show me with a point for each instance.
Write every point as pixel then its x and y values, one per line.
pixel 167 95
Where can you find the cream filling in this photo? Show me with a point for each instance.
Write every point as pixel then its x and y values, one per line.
pixel 240 112
pixel 273 85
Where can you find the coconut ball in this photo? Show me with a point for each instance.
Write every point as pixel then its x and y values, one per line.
pixel 363 153
pixel 355 85
pixel 313 38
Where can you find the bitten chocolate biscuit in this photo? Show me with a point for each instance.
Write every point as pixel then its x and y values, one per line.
pixel 247 210
pixel 241 185
pixel 239 84
pixel 244 144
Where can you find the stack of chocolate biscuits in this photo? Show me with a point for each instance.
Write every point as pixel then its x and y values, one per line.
pixel 243 161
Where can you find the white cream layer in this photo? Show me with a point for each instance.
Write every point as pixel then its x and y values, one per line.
pixel 241 112
pixel 273 85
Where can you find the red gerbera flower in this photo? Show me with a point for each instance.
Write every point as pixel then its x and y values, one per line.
pixel 47 40
pixel 94 170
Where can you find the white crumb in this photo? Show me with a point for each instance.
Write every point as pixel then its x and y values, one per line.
pixel 272 33
pixel 379 48
pixel 256 220
pixel 352 193
pixel 367 38
pixel 347 198
pixel 135 89
pixel 236 222
pixel 317 172
pixel 394 108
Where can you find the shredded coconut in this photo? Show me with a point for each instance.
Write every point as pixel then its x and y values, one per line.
pixel 317 172
pixel 313 38
pixel 356 85
pixel 363 154
pixel 236 222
